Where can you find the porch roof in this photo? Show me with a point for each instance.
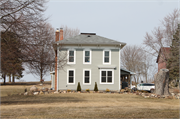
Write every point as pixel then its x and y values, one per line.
pixel 126 72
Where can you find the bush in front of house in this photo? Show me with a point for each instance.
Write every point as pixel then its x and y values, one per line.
pixel 79 87
pixel 95 87
pixel 68 90
pixel 87 90
pixel 107 90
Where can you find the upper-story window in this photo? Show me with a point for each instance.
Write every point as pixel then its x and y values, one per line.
pixel 87 57
pixel 71 56
pixel 106 57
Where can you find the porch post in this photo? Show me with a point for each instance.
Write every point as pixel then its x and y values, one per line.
pixel 131 81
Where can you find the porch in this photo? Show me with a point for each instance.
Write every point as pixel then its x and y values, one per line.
pixel 126 78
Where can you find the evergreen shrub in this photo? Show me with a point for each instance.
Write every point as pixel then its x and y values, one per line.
pixel 95 87
pixel 79 87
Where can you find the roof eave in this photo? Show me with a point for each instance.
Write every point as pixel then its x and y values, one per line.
pixel 112 44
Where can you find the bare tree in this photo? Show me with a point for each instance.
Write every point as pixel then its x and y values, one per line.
pixel 42 53
pixel 69 32
pixel 131 60
pixel 169 25
pixel 162 35
pixel 149 68
pixel 151 72
pixel 156 42
pixel 43 50
pixel 135 59
pixel 22 17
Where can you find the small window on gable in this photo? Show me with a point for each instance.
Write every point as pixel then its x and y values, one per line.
pixel 87 57
pixel 71 56
pixel 106 57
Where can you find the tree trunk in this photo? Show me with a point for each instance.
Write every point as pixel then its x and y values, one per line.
pixel 161 80
pixel 13 80
pixel 9 78
pixel 4 77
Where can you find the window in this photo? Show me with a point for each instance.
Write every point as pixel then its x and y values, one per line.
pixel 87 57
pixel 71 76
pixel 86 76
pixel 71 56
pixel 106 76
pixel 106 57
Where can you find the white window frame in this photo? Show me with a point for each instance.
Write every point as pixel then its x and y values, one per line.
pixel 89 56
pixel 68 76
pixel 106 76
pixel 109 57
pixel 84 76
pixel 74 56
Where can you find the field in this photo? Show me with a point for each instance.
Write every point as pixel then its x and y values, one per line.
pixel 83 105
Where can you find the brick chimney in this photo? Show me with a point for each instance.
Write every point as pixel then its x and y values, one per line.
pixel 61 33
pixel 57 35
pixel 55 70
pixel 56 39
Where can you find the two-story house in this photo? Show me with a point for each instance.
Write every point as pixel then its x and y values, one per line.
pixel 89 58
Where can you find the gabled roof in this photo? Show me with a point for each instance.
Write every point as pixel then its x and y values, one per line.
pixel 163 49
pixel 90 38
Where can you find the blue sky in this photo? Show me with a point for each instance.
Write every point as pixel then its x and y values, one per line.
pixel 122 20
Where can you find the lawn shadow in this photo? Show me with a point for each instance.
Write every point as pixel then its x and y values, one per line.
pixel 38 99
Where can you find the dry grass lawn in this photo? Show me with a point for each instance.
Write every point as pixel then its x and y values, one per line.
pixel 84 105
pixel 14 89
